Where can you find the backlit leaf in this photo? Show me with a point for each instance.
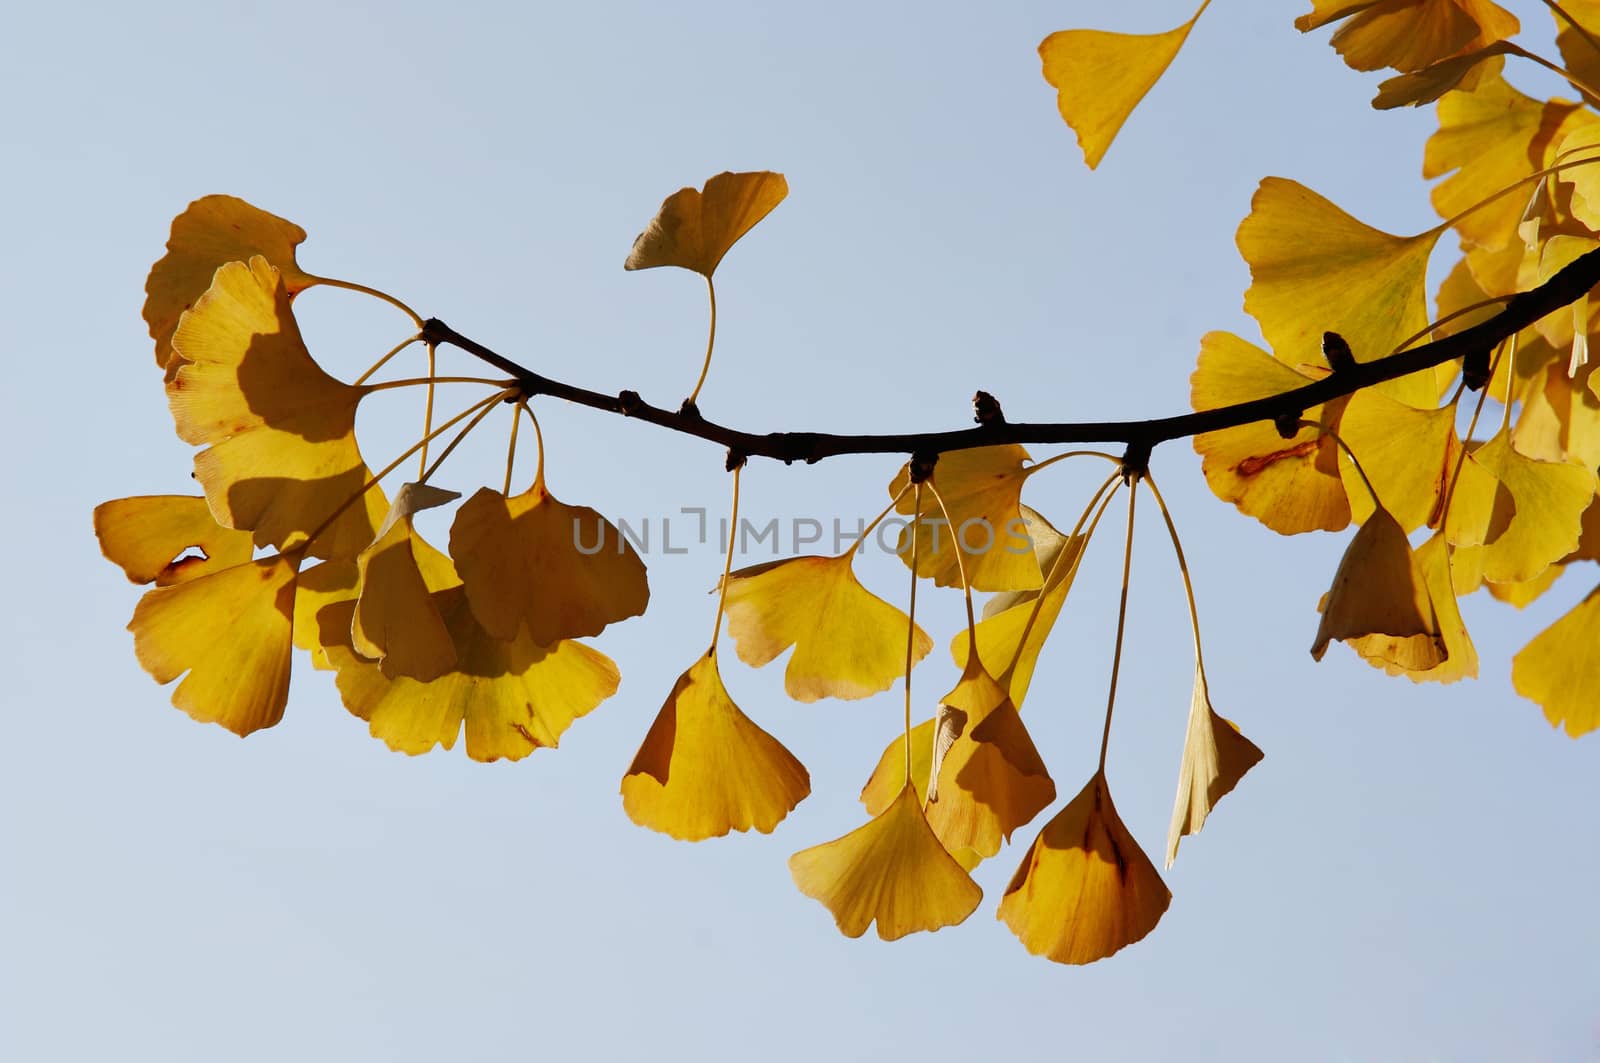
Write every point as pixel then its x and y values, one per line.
pixel 1409 454
pixel 891 871
pixel 848 642
pixel 1215 758
pixel 695 227
pixel 211 232
pixel 1380 590
pixel 1433 81
pixel 982 490
pixel 1085 889
pixel 1560 669
pixel 1100 77
pixel 281 455
pixel 151 537
pixel 1418 658
pixel 396 620
pixel 706 769
pixel 1408 34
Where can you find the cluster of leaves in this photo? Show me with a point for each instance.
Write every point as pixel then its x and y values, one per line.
pixel 295 543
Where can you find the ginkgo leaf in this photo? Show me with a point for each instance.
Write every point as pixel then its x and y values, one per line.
pixel 1100 77
pixel 150 537
pixel 1560 670
pixel 282 456
pixel 1017 633
pixel 1418 658
pixel 1433 81
pixel 1380 590
pixel 889 775
pixel 1408 34
pixel 990 779
pixel 982 490
pixel 1548 498
pixel 396 621
pixel 848 642
pixel 1521 595
pixel 1047 542
pixel 1085 889
pixel 1215 758
pixel 1579 151
pixel 891 871
pixel 1560 418
pixel 530 560
pixel 695 227
pixel 1407 453
pixel 231 632
pixel 1316 269
pixel 1578 52
pixel 705 768
pixel 1493 137
pixel 1290 485
pixel 508 697
pixel 211 232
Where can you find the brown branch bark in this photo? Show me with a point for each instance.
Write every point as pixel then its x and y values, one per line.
pixel 1473 345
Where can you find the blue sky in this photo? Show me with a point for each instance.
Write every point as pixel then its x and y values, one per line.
pixel 1409 874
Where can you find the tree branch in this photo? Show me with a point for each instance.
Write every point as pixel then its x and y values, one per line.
pixel 1473 344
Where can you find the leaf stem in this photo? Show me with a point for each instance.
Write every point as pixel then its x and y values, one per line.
pixel 727 564
pixel 352 286
pixel 911 625
pixel 711 342
pixel 381 362
pixel 1122 624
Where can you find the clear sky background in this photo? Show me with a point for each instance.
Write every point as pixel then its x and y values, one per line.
pixel 1410 873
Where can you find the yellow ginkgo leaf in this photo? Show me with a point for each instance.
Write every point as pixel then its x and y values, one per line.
pixel 1047 542
pixel 1493 137
pixel 1548 501
pixel 1521 595
pixel 1409 455
pixel 982 491
pixel 1290 485
pixel 848 642
pixel 396 620
pixel 530 560
pixel 891 871
pixel 282 456
pixel 1578 53
pixel 695 227
pixel 990 779
pixel 151 537
pixel 1418 658
pixel 1085 889
pixel 231 631
pixel 1215 758
pixel 1436 79
pixel 1579 152
pixel 1100 77
pixel 889 775
pixel 1408 34
pixel 1015 632
pixel 509 697
pixel 1380 590
pixel 1560 419
pixel 705 768
pixel 1560 669
pixel 211 232
pixel 1316 269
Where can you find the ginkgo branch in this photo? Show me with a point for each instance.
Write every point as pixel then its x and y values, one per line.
pixel 1473 344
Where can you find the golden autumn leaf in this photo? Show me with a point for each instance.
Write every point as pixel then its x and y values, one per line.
pixel 1215 758
pixel 530 560
pixel 231 632
pixel 1380 590
pixel 1547 501
pixel 1316 269
pixel 982 491
pixel 1492 138
pixel 1418 658
pixel 1408 34
pixel 1085 889
pixel 1407 453
pixel 1578 53
pixel 988 778
pixel 1560 418
pixel 396 621
pixel 211 232
pixel 508 697
pixel 1432 81
pixel 695 227
pixel 1016 632
pixel 891 871
pixel 705 768
pixel 1100 77
pixel 281 455
pixel 150 537
pixel 1521 595
pixel 848 642
pixel 1290 485
pixel 1560 669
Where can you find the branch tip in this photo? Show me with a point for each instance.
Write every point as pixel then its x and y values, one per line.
pixel 986 409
